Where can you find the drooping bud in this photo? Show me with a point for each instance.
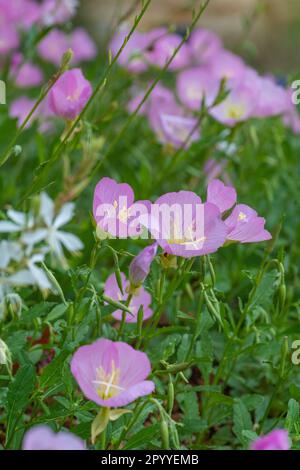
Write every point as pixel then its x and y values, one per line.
pixel 140 266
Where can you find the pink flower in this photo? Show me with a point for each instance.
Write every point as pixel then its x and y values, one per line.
pixel 180 131
pixel 132 56
pixel 114 208
pixel 164 47
pixel 245 226
pixel 224 197
pixel 215 168
pixel 43 438
pixel 69 95
pixel 204 45
pixel 275 440
pixel 238 106
pixel 183 226
pixel 20 108
pixel 140 266
pixel 226 65
pixel 141 298
pixel 193 85
pixel 9 39
pixel 112 374
pixel 22 14
pixel 58 11
pixel 82 45
pixel 271 99
pixel 28 75
pixel 53 46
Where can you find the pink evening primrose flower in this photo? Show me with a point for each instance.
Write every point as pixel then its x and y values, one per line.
pixel 22 14
pixel 141 298
pixel 275 440
pixel 115 211
pixel 28 75
pixel 224 197
pixel 58 11
pixel 245 226
pixel 9 39
pixel 180 131
pixel 112 374
pixel 53 46
pixel 163 49
pixel 195 84
pixel 69 95
pixel 238 106
pixel 226 65
pixel 140 266
pixel 43 438
pixel 215 168
pixel 82 45
pixel 20 108
pixel 183 226
pixel 132 56
pixel 204 44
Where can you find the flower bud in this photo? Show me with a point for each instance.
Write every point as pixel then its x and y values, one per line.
pixel 140 266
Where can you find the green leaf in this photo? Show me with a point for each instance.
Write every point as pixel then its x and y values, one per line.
pixel 52 373
pixel 241 421
pixel 18 395
pixel 117 413
pixel 143 438
pixel 292 422
pixel 100 423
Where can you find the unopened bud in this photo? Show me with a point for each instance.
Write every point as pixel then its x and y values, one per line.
pixel 141 264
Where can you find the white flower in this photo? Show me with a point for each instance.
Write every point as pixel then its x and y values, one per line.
pixel 9 251
pixel 20 222
pixel 56 239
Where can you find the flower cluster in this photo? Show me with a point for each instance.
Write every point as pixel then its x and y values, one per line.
pixel 203 67
pixel 180 222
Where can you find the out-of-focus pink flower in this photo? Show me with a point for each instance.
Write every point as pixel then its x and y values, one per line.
pixel 164 47
pixel 291 117
pixel 82 45
pixel 214 169
pixel 112 374
pixel 238 106
pixel 20 108
pixel 204 45
pixel 53 46
pixel 58 11
pixel 180 131
pixel 43 438
pixel 21 14
pixel 140 266
pixel 270 98
pixel 27 75
pixel 69 95
pixel 9 39
pixel 275 440
pixel 224 197
pixel 183 226
pixel 245 226
pixel 141 298
pixel 193 85
pixel 132 56
pixel 114 208
pixel 226 65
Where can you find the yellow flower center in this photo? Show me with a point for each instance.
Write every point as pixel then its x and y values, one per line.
pixel 107 383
